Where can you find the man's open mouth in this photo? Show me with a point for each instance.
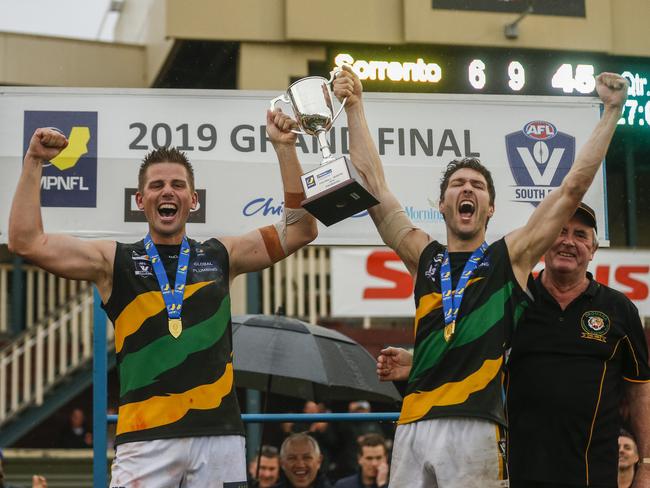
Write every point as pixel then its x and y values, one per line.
pixel 466 208
pixel 167 210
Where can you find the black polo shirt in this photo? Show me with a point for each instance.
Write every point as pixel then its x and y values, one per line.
pixel 566 374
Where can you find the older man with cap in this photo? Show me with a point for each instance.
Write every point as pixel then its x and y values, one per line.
pixel 576 352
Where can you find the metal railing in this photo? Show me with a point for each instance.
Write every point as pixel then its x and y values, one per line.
pixel 299 285
pixel 44 294
pixel 50 349
pixel 259 418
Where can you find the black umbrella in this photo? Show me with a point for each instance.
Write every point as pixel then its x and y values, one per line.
pixel 290 357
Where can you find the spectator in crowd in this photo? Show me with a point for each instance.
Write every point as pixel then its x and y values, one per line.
pixel 628 457
pixel 301 459
pixel 75 435
pixel 267 473
pixel 373 464
pixel 323 432
pixel 349 435
pixel 37 480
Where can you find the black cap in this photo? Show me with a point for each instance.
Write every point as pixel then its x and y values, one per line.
pixel 587 215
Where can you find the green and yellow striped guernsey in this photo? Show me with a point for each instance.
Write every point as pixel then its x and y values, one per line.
pixel 462 377
pixel 169 387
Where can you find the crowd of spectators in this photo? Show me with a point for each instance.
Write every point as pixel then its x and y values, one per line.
pixel 355 454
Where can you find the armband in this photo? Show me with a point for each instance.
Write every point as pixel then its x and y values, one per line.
pixel 394 227
pixel 275 236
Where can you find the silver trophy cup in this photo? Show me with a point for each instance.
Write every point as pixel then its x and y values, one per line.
pixel 333 191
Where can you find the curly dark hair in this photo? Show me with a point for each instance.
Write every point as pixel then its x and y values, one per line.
pixel 471 163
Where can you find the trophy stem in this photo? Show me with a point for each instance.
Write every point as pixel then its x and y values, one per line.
pixel 324 147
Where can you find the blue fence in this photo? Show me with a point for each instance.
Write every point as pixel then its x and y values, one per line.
pixel 252 418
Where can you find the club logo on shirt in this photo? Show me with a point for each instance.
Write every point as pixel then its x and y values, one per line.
pixel 141 264
pixel 432 272
pixel 595 325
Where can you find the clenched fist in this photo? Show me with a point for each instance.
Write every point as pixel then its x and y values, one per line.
pixel 612 89
pixel 46 144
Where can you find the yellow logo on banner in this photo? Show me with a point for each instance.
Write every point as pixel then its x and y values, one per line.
pixel 77 147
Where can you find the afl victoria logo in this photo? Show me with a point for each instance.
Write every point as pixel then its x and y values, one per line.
pixel 539 157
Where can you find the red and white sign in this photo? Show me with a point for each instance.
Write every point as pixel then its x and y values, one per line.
pixel 373 282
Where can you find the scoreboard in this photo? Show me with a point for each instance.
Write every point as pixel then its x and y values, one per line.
pixel 502 71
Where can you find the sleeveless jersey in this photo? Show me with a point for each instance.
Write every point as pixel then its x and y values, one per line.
pixel 171 387
pixel 462 377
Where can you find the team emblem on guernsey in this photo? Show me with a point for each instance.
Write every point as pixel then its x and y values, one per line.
pixel 141 264
pixel 595 325
pixel 432 271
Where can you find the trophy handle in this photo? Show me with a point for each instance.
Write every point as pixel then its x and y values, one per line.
pixel 334 73
pixel 285 98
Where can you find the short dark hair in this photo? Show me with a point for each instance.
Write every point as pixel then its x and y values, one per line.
pixel 471 163
pixel 626 433
pixel 370 440
pixel 269 452
pixel 165 155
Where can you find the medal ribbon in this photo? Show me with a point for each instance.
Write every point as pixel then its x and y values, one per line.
pixel 173 298
pixel 451 300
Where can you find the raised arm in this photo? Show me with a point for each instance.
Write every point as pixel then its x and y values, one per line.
pixel 394 226
pixel 527 244
pixel 262 247
pixel 63 255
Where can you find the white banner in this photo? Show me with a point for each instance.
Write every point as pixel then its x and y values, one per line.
pixel 373 282
pixel 527 143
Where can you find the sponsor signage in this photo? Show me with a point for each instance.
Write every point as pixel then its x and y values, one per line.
pixel 528 143
pixel 70 179
pixel 133 214
pixel 373 282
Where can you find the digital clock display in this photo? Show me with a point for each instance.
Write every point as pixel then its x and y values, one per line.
pixel 500 71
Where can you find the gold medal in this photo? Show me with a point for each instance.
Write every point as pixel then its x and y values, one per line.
pixel 175 327
pixel 449 331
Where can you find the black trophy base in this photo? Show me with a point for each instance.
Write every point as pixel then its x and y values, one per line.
pixel 339 202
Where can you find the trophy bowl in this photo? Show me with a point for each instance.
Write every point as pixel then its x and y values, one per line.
pixel 333 191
